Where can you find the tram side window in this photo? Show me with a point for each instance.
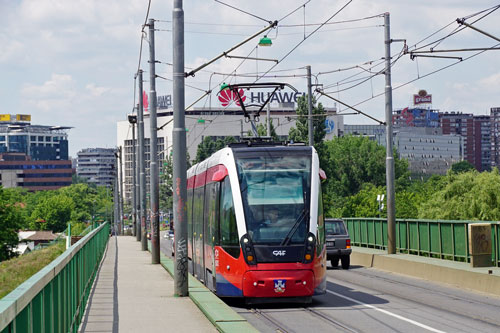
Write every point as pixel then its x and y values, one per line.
pixel 228 229
pixel 211 204
pixel 189 205
pixel 198 210
pixel 321 223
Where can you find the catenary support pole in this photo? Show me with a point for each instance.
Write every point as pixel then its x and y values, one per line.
pixel 179 154
pixel 142 171
pixel 153 168
pixel 122 222
pixel 389 165
pixel 115 199
pixel 134 190
pixel 309 107
pixel 137 181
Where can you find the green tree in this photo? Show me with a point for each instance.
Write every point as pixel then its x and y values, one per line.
pixel 350 162
pixel 465 196
pixel 463 166
pixel 300 132
pixel 86 201
pixel 166 185
pixel 52 213
pixel 10 223
pixel 262 130
pixel 209 146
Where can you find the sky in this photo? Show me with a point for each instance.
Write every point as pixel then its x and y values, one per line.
pixel 72 63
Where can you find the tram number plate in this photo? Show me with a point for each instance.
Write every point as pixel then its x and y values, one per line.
pixel 330 243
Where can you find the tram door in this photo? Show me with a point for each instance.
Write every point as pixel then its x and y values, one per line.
pixel 198 234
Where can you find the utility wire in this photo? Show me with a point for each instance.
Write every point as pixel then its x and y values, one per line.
pixel 281 34
pixel 187 85
pixel 142 34
pixel 293 11
pixel 329 23
pixel 293 49
pixel 423 76
pixel 140 51
pixel 305 38
pixel 456 30
pixel 241 10
pixel 279 25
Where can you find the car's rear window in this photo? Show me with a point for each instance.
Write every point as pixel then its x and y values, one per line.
pixel 335 228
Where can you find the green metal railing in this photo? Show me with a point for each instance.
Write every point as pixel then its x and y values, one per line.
pixel 432 238
pixel 54 299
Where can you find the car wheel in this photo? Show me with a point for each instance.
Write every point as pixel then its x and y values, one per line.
pixel 335 262
pixel 346 260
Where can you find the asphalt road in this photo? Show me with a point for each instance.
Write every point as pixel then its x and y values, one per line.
pixel 165 244
pixel 367 300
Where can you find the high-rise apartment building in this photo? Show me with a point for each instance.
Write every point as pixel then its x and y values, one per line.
pixel 476 131
pixel 97 165
pixel 495 136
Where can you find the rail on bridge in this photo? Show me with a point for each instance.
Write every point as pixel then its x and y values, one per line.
pixel 444 239
pixel 54 299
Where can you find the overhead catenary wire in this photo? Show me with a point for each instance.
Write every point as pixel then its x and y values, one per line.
pixel 282 34
pixel 456 30
pixel 245 12
pixel 305 38
pixel 140 51
pixel 423 76
pixel 187 85
pixel 295 10
pixel 279 25
pixel 295 47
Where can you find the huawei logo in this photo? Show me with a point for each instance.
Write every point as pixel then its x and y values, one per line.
pixel 227 96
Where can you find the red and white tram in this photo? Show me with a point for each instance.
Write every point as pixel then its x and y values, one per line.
pixel 255 223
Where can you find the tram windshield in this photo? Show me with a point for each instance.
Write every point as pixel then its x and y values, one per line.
pixel 275 189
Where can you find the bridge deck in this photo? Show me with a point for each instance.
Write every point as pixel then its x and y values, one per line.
pixel 132 295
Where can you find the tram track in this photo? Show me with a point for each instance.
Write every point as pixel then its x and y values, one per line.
pixel 276 324
pixel 279 326
pixel 330 320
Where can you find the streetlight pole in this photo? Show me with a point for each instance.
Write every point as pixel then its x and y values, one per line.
pixel 309 106
pixel 132 119
pixel 179 154
pixel 153 168
pixel 389 165
pixel 142 171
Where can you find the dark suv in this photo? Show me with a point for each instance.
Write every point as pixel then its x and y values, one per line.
pixel 338 243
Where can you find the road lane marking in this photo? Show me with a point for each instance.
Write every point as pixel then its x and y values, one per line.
pixel 416 323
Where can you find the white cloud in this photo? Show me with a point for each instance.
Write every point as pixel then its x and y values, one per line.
pixel 58 85
pixel 96 91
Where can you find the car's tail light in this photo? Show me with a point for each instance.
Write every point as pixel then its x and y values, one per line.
pixel 348 243
pixel 310 245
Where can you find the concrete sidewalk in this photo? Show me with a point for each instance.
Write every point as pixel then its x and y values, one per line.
pixel 458 274
pixel 132 295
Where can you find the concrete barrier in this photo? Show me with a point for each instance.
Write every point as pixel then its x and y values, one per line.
pixel 458 274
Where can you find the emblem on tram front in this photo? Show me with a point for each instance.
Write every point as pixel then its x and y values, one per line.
pixel 279 286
